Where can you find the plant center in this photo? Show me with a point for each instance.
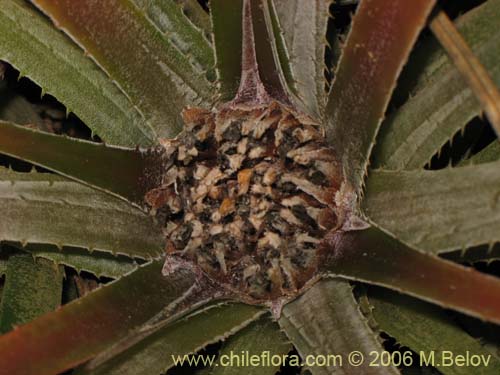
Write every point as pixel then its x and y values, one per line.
pixel 247 196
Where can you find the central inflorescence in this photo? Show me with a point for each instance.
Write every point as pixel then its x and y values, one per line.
pixel 247 196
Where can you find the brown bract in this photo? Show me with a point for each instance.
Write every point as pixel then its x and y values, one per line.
pixel 247 195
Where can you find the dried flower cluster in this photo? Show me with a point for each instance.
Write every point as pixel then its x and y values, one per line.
pixel 247 195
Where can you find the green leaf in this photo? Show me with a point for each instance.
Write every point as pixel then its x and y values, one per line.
pixel 227 34
pixel 439 210
pixel 97 263
pixel 83 328
pixel 126 173
pixel 169 17
pixel 443 103
pixel 154 74
pixel 262 336
pixel 43 208
pixel 195 12
pixel 382 35
pixel 304 23
pixel 159 351
pixel 50 59
pixel 374 257
pixel 425 328
pixel 488 154
pixel 326 320
pixel 32 288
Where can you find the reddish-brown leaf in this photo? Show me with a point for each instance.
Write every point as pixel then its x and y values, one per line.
pixel 374 257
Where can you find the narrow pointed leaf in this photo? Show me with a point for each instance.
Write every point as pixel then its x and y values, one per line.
pixel 267 53
pixel 123 172
pixel 169 17
pixel 304 25
pixel 489 154
pixel 485 253
pixel 97 263
pixel 375 257
pixel 32 288
pixel 326 320
pixel 469 66
pixel 159 351
pixel 30 43
pixel 157 78
pixel 439 210
pixel 426 328
pixel 380 40
pixel 262 336
pixel 257 62
pixel 443 103
pixel 83 328
pixel 43 208
pixel 195 12
pixel 227 34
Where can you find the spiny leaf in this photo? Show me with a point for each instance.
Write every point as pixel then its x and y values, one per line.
pixel 257 63
pixel 43 208
pixel 327 320
pixel 50 59
pixel 97 263
pixel 304 25
pixel 195 12
pixel 168 16
pixel 488 154
pixel 485 253
pixel 156 353
pixel 83 328
pixel 227 35
pixel 32 288
pixel 439 210
pixel 474 73
pixel 372 256
pixel 126 173
pixel 380 40
pixel 157 78
pixel 443 103
pixel 426 328
pixel 262 336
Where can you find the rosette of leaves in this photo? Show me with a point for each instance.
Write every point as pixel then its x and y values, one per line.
pixel 239 191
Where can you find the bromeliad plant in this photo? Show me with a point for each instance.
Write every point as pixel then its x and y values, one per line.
pixel 265 200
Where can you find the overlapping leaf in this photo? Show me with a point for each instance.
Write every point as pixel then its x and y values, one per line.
pixel 443 103
pixel 83 328
pixel 437 210
pixel 127 173
pixel 326 320
pixel 43 208
pixel 427 329
pixel 159 80
pixel 159 351
pixel 374 257
pixel 43 54
pixel 381 38
pixel 262 338
pixel 304 23
pixel 32 288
